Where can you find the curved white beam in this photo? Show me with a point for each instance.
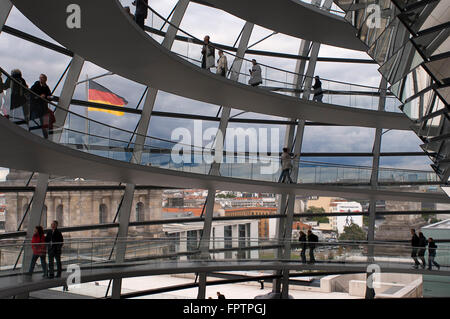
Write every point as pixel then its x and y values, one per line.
pixel 109 38
pixel 25 151
pixel 295 18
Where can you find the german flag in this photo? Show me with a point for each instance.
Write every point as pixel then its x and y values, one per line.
pixel 100 94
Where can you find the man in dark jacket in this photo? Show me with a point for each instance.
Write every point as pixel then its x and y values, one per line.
pixel 303 245
pixel 312 240
pixel 415 247
pixel 318 93
pixel 39 106
pixel 54 240
pixel 141 12
pixel 18 98
pixel 432 254
pixel 423 242
pixel 220 296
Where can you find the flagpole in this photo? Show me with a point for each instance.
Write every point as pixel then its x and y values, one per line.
pixel 86 110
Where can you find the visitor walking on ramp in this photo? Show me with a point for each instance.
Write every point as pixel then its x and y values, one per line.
pixel 222 64
pixel 317 89
pixel 414 247
pixel 208 54
pixel 286 166
pixel 39 250
pixel 303 245
pixel 312 242
pixel 141 12
pixel 55 242
pixel 255 74
pixel 423 242
pixel 432 254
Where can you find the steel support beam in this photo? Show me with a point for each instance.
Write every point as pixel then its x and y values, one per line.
pixel 205 239
pixel 234 76
pixel 76 65
pixel 314 53
pixel 122 234
pixel 215 166
pixel 375 167
pixel 34 219
pixel 5 9
pixel 144 122
pixel 150 99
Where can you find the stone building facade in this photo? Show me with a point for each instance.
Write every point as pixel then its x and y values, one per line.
pixel 86 207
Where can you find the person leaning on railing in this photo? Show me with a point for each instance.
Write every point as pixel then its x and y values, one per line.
pixel 303 245
pixel 39 107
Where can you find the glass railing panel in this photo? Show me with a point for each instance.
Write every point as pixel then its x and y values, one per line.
pixel 401 63
pixel 103 140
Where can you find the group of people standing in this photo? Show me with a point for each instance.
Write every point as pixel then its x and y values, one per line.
pixel 19 105
pixel 419 245
pixel 208 62
pixel 308 242
pixel 50 243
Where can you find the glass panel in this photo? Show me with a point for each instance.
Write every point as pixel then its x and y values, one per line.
pixel 440 68
pixel 402 62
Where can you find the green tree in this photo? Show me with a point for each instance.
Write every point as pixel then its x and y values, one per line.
pixel 353 232
pixel 323 220
pixel 366 220
pixel 313 210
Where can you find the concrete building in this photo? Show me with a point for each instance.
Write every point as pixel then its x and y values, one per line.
pixel 263 223
pixel 226 234
pixel 77 208
pixel 338 223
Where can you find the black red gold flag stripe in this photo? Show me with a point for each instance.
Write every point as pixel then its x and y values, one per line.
pixel 99 94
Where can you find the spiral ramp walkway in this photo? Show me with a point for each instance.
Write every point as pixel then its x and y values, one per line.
pixel 16 285
pixel 116 43
pixel 412 41
pixel 305 21
pixel 33 153
pixel 146 62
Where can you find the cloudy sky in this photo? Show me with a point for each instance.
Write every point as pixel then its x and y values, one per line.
pixel 223 28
